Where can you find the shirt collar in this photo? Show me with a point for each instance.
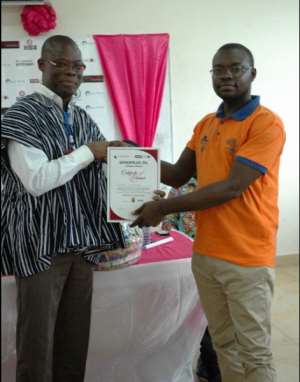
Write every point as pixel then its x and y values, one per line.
pixel 42 89
pixel 243 112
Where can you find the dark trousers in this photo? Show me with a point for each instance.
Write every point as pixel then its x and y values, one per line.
pixel 208 358
pixel 53 325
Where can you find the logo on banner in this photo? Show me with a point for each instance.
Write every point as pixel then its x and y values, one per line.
pixel 97 78
pixel 92 93
pixel 9 81
pixel 21 93
pixel 29 45
pixel 10 44
pixel 88 60
pixel 24 63
pixel 89 107
pixel 86 42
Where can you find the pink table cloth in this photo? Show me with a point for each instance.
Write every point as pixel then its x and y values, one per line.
pixel 179 248
pixel 147 320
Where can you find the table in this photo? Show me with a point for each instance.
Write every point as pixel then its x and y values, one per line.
pixel 147 321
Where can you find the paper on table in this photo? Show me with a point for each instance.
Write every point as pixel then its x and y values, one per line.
pixel 155 243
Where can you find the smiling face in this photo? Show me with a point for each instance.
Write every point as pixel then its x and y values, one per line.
pixel 59 66
pixel 232 74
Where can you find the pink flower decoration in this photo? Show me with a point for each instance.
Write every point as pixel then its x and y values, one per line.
pixel 37 19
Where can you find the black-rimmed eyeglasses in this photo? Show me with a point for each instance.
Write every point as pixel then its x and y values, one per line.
pixel 235 70
pixel 64 65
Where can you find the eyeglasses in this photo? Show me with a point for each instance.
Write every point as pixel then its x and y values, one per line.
pixel 236 70
pixel 77 66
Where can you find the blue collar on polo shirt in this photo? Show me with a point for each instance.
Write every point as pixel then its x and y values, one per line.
pixel 243 112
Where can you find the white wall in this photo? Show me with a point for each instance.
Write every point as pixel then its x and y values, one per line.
pixel 197 28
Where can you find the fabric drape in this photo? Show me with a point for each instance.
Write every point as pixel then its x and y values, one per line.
pixel 134 68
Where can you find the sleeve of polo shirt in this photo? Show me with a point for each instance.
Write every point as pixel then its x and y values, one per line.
pixel 192 143
pixel 266 138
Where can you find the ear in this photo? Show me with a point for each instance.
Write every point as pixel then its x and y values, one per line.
pixel 253 73
pixel 41 64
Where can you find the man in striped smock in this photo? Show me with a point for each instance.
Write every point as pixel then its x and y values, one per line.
pixel 53 217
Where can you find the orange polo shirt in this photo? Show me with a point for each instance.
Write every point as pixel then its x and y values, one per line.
pixel 243 230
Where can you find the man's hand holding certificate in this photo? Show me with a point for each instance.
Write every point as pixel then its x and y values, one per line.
pixel 133 176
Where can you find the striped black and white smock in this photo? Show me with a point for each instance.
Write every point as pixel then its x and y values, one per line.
pixel 72 216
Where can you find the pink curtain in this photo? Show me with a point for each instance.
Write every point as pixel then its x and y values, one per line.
pixel 134 68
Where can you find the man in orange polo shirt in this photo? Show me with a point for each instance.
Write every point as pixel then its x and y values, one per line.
pixel 235 153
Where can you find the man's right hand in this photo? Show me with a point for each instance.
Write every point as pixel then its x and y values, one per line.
pixel 99 149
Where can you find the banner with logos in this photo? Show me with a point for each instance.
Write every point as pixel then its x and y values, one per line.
pixel 20 74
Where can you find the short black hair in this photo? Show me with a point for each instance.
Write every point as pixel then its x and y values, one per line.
pixel 55 43
pixel 234 45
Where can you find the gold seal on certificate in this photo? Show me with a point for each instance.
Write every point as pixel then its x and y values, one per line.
pixel 133 174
